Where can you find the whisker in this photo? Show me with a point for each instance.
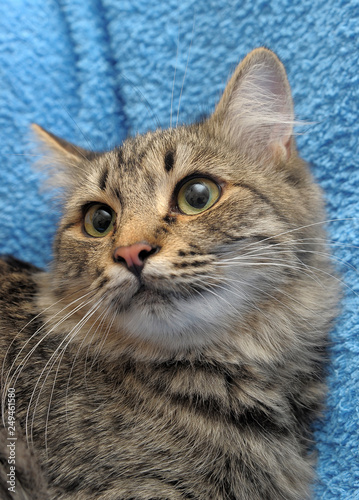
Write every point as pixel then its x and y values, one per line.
pixel 263 253
pixel 52 360
pixel 75 359
pixel 36 317
pixel 144 100
pixel 6 380
pixel 284 265
pixel 19 369
pixel 174 76
pixel 240 295
pixel 49 404
pixel 185 72
pixel 99 348
pixel 299 228
pixel 90 144
pixel 215 285
pixel 272 297
pixel 297 250
pixel 308 266
pixel 247 260
pixel 61 355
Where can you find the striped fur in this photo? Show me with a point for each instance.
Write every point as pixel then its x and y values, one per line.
pixel 201 379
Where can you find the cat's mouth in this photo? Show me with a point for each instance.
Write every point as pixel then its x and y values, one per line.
pixel 148 295
pixel 177 314
pixel 153 299
pixel 143 290
pixel 151 295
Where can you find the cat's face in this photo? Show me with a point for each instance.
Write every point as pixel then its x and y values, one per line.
pixel 176 235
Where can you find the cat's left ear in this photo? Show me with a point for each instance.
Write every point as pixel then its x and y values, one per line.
pixel 255 112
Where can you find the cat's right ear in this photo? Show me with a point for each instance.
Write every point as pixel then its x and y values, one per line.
pixel 67 158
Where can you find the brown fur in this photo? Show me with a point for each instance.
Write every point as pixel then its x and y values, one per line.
pixel 204 382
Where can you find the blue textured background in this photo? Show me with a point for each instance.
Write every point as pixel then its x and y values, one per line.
pixel 94 71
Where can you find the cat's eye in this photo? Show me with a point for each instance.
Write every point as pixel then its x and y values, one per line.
pixel 99 220
pixel 197 195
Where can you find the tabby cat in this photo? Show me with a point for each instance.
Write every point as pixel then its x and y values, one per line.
pixel 175 349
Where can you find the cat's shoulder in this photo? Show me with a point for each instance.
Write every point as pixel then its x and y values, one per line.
pixel 12 264
pixel 15 276
pixel 17 288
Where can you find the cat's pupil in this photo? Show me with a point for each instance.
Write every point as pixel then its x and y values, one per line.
pixel 197 195
pixel 102 219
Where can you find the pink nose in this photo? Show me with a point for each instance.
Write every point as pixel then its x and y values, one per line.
pixel 134 256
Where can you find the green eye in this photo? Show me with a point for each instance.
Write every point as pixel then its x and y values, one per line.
pixel 99 220
pixel 197 195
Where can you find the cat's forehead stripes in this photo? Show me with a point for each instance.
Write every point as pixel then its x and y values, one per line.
pixel 119 152
pixel 169 161
pixel 103 179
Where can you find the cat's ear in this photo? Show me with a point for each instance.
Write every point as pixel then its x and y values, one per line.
pixel 64 162
pixel 62 150
pixel 256 110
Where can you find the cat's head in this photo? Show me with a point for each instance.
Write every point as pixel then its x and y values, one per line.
pixel 175 237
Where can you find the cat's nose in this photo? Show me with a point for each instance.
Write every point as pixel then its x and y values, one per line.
pixel 134 256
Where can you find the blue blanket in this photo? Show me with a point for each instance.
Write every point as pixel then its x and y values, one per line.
pixel 95 71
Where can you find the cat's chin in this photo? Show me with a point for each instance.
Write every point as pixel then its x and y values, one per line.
pixel 176 321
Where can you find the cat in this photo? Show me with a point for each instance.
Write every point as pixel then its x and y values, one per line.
pixel 176 348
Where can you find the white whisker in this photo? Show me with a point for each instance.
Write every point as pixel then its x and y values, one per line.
pixel 77 354
pixel 52 360
pixel 10 370
pixel 299 228
pixel 98 350
pixel 29 354
pixel 174 76
pixel 185 72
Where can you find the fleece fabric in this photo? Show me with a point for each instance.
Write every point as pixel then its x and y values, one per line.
pixel 95 71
